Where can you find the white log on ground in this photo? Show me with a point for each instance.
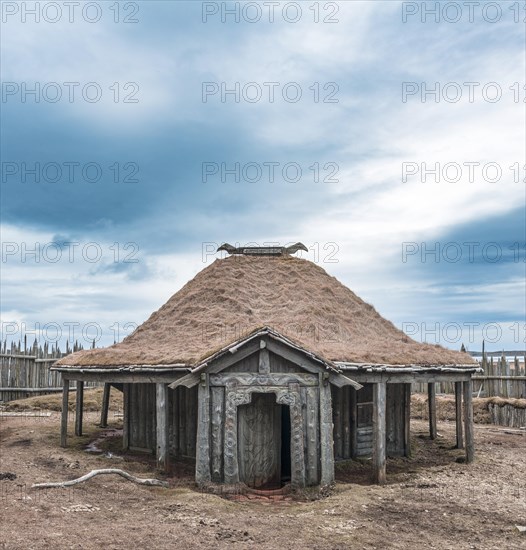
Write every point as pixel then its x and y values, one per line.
pixel 93 473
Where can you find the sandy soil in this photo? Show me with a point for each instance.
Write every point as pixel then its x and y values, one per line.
pixel 430 501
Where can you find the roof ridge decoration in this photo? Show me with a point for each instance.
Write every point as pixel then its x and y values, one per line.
pixel 262 250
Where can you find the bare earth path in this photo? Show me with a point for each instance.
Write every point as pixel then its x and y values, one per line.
pixel 430 501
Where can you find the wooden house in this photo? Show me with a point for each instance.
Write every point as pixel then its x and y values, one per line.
pixel 266 370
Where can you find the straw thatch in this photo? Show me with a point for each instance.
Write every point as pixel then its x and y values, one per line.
pixel 236 295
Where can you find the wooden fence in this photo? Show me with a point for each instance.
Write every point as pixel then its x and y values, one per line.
pixel 25 371
pixel 501 378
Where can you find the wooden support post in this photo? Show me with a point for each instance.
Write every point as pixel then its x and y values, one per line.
pixel 105 406
pixel 126 416
pixel 379 426
pixel 354 421
pixel 431 401
pixel 468 420
pixel 64 419
pixel 202 458
pixel 162 425
pixel 407 420
pixel 79 408
pixel 326 432
pixel 458 414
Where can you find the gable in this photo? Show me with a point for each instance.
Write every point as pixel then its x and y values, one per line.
pixel 263 355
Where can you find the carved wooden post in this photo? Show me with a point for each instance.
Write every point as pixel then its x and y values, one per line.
pixel 217 396
pixel 326 428
pixel 312 411
pixel 64 419
pixel 379 425
pixel 162 425
pixel 202 459
pixel 431 401
pixel 105 406
pixel 458 414
pixel 79 407
pixel 232 400
pixel 292 398
pixel 468 420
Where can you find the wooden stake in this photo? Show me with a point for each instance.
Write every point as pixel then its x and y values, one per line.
pixel 431 399
pixel 64 419
pixel 379 425
pixel 458 415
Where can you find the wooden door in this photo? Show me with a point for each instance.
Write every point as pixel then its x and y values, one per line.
pixel 259 442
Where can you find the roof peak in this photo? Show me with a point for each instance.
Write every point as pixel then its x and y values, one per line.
pixel 262 250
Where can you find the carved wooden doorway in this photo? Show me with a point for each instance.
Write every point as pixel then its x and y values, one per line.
pixel 263 442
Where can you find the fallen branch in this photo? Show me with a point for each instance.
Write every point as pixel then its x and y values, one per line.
pixel 93 473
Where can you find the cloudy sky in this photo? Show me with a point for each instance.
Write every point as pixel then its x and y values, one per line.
pixel 137 136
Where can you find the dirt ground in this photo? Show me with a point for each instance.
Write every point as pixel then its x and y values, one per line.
pixel 430 500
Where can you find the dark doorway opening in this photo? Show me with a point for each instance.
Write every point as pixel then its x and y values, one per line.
pixel 285 445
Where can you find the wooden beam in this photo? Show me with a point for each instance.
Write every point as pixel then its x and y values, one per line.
pixel 116 377
pixel 432 408
pixel 394 378
pixel 105 405
pixel 341 380
pixel 379 427
pixel 202 459
pixel 407 420
pixel 458 415
pixel 79 408
pixel 161 413
pixel 468 421
pixel 217 365
pixel 64 418
pixel 326 433
pixel 295 356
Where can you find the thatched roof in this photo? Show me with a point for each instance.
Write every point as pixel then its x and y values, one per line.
pixel 239 294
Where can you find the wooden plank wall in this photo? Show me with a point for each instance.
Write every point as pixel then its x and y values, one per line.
pixel 182 415
pixel 395 420
pixel 357 426
pixel 182 426
pixel 142 421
